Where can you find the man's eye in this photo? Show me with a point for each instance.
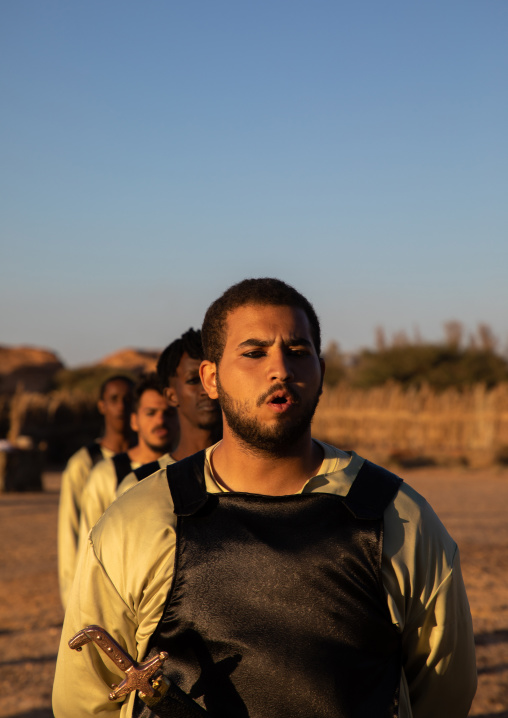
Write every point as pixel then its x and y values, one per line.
pixel 193 380
pixel 256 354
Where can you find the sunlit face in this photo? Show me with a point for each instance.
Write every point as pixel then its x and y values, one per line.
pixel 116 405
pixel 269 378
pixel 155 422
pixel 186 392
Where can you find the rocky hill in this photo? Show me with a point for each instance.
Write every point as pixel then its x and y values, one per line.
pixel 134 360
pixel 35 369
pixel 29 367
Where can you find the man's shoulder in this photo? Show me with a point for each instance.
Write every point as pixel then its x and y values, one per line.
pixel 101 479
pixel 149 500
pixel 343 469
pixel 413 533
pixel 414 508
pixel 80 458
pixel 101 468
pixel 145 492
pixel 138 520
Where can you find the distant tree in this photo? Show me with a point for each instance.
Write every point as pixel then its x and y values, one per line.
pixel 334 369
pixel 380 339
pixel 441 365
pixel 454 332
pixel 488 341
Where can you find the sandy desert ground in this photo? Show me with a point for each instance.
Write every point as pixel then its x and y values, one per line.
pixel 472 504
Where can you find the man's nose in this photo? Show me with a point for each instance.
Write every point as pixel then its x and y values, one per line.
pixel 280 366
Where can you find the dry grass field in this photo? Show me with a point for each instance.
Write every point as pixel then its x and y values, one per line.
pixel 472 504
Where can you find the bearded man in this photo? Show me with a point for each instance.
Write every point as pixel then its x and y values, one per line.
pixel 283 576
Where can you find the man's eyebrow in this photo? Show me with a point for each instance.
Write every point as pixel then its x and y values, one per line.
pixel 293 342
pixel 256 343
pixel 298 342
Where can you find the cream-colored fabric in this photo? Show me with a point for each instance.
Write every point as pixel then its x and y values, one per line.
pixel 98 494
pixel 125 574
pixel 73 481
pixel 132 480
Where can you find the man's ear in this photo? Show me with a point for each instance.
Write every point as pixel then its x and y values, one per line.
pixel 100 406
pixel 169 394
pixel 134 422
pixel 208 374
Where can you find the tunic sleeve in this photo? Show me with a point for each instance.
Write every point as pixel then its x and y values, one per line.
pixel 438 643
pixel 83 679
pixel 428 602
pixel 73 481
pixel 122 581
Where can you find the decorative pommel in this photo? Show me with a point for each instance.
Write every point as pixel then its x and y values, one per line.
pixel 137 675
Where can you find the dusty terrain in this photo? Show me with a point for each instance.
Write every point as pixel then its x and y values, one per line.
pixel 472 504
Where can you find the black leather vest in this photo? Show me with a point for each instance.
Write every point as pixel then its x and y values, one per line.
pixel 277 608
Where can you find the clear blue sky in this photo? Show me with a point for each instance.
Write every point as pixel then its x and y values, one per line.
pixel 155 152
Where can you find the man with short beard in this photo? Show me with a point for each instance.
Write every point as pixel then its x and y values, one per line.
pixel 199 417
pixel 284 577
pixel 156 426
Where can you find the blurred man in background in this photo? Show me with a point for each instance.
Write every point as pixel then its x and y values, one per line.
pixel 156 425
pixel 115 399
pixel 199 417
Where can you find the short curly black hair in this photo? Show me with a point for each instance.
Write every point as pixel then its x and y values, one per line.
pixel 190 343
pixel 146 382
pixel 265 291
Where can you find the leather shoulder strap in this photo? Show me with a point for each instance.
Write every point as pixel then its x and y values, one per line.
pixel 186 480
pixel 95 452
pixel 371 492
pixel 122 466
pixel 146 469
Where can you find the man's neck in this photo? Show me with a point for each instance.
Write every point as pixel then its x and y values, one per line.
pixel 194 439
pixel 115 442
pixel 244 469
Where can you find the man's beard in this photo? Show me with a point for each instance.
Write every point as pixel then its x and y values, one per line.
pixel 162 446
pixel 271 440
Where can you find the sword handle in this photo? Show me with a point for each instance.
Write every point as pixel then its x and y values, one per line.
pixel 137 676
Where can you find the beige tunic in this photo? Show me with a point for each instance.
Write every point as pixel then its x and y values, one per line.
pixel 69 511
pixel 126 570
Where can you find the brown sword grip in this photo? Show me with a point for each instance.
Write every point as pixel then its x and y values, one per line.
pixel 137 676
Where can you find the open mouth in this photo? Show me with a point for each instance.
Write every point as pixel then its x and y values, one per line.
pixel 279 397
pixel 280 401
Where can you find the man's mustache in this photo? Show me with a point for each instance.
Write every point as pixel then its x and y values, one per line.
pixel 292 393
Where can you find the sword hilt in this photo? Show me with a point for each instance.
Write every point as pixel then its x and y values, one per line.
pixel 137 675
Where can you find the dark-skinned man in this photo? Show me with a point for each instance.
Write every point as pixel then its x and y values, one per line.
pixel 284 577
pixel 199 417
pixel 156 425
pixel 115 399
